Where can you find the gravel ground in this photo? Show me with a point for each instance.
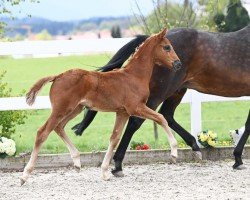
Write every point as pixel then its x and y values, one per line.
pixel 210 180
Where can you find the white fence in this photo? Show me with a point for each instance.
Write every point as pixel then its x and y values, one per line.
pixel 58 48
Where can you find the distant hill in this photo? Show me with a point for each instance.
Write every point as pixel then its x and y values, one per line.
pixel 36 25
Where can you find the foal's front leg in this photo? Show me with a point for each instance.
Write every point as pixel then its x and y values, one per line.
pixel 145 112
pixel 121 119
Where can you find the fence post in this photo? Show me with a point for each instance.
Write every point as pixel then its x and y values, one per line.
pixel 195 109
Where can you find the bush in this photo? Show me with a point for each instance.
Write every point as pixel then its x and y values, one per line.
pixel 9 119
pixel 116 32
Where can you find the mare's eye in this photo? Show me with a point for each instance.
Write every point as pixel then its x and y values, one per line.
pixel 167 48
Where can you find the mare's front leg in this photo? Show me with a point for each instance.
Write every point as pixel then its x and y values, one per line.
pixel 121 119
pixel 145 112
pixel 167 110
pixel 239 148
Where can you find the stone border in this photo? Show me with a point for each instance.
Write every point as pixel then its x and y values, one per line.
pixel 132 157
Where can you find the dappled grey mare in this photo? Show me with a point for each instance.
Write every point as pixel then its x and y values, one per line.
pixel 213 63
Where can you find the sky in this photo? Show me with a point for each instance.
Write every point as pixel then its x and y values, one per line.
pixel 64 10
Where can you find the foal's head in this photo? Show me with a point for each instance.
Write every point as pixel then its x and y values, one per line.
pixel 164 53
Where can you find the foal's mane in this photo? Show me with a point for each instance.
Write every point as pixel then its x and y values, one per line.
pixel 143 46
pixel 123 54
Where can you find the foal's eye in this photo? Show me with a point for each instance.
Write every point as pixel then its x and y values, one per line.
pixel 167 48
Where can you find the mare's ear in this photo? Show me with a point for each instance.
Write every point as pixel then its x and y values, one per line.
pixel 163 33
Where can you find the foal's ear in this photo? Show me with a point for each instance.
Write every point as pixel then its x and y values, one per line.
pixel 163 33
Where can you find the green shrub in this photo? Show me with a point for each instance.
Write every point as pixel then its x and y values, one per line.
pixel 9 119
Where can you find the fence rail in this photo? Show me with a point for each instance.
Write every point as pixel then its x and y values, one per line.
pixel 69 47
pixel 193 97
pixel 55 48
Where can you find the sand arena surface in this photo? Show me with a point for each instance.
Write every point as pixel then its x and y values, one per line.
pixel 210 180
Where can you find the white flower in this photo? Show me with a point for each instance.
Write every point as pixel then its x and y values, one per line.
pixel 11 150
pixel 7 146
pixel 4 139
pixel 2 149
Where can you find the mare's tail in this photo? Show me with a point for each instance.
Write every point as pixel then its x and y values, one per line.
pixel 116 62
pixel 31 95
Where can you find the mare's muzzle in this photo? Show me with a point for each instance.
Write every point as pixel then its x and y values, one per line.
pixel 177 65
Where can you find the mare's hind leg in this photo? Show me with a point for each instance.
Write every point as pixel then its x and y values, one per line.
pixel 75 155
pixel 239 148
pixel 121 119
pixel 42 135
pixel 145 112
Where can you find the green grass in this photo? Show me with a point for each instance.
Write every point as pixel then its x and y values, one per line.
pixel 22 73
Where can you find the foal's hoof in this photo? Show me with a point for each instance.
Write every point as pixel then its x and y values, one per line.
pixel 172 159
pixel 197 156
pixel 106 177
pixel 77 168
pixel 117 173
pixel 22 181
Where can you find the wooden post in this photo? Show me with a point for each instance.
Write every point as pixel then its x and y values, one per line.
pixel 156 131
pixel 196 123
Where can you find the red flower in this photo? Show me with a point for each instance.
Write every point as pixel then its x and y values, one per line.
pixel 145 147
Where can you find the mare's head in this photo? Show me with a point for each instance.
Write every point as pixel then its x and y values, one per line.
pixel 164 53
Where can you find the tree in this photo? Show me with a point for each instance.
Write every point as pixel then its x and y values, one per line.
pixel 202 14
pixel 6 4
pixel 170 14
pixel 219 20
pixel 43 35
pixel 211 11
pixel 237 16
pixel 167 13
pixel 116 32
pixel 5 9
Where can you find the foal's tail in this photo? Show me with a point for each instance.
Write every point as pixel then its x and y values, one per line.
pixel 31 95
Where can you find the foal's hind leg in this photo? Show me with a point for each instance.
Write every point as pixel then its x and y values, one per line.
pixel 42 135
pixel 75 155
pixel 144 112
pixel 121 119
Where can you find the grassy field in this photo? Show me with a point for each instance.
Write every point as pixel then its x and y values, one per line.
pixel 22 73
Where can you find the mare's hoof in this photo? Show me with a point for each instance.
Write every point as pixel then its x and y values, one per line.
pixel 172 159
pixel 238 166
pixel 22 181
pixel 238 163
pixel 197 156
pixel 117 173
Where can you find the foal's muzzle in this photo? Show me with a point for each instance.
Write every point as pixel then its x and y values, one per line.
pixel 177 65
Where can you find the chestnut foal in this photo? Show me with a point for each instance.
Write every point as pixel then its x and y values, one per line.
pixel 124 91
